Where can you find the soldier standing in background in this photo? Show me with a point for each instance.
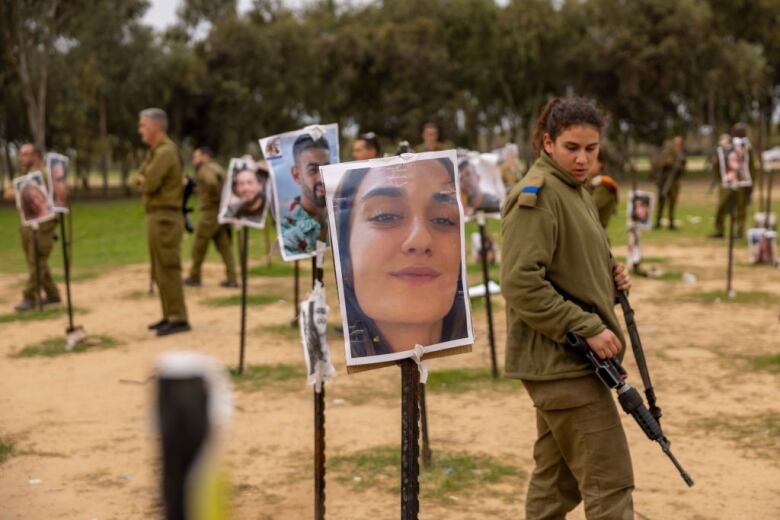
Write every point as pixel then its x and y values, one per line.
pixel 430 137
pixel 672 165
pixel 30 160
pixel 365 147
pixel 603 191
pixel 161 181
pixel 210 181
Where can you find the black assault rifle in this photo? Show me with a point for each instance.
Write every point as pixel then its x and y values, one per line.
pixel 613 375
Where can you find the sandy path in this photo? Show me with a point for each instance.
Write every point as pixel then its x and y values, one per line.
pixel 81 422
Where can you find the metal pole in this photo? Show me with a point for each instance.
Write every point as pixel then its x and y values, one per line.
pixel 244 256
pixel 319 422
pixel 66 264
pixel 410 433
pixel 294 321
pixel 488 303
pixel 732 203
pixel 319 453
pixel 36 253
pixel 426 447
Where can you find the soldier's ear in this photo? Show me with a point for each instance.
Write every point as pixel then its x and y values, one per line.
pixel 296 174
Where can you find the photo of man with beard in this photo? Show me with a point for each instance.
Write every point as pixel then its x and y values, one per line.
pixel 304 221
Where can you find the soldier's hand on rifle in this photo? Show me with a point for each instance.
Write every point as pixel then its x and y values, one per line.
pixel 605 344
pixel 622 279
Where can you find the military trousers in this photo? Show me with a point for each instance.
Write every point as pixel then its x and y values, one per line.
pixel 724 209
pixel 581 452
pixel 669 201
pixel 209 229
pixel 45 237
pixel 164 229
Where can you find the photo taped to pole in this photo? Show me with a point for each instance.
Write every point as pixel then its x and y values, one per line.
pixel 57 168
pixel 480 183
pixel 734 162
pixel 397 231
pixel 246 194
pixel 33 200
pixel 294 160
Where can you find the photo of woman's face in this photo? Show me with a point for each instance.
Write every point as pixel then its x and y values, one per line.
pixel 405 244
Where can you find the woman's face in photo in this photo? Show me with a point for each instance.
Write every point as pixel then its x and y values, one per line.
pixel 405 243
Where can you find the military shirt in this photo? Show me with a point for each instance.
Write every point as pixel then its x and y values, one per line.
pixel 604 192
pixel 556 274
pixel 300 230
pixel 672 164
pixel 163 184
pixel 211 178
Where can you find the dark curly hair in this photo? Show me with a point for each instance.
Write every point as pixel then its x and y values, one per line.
pixel 561 113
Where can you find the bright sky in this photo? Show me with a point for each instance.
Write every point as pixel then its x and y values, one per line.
pixel 162 13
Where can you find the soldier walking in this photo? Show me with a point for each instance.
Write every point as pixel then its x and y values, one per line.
pixel 210 181
pixel 672 166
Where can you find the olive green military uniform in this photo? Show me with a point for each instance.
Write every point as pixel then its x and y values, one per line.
pixel 211 178
pixel 162 190
pixel 45 237
pixel 742 195
pixel 604 191
pixel 438 147
pixel 672 165
pixel 557 277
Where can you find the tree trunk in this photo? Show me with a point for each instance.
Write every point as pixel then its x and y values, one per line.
pixel 104 143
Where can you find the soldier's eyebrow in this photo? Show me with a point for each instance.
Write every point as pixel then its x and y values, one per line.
pixel 383 191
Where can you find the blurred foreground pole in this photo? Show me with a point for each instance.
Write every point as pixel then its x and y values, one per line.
pixel 410 434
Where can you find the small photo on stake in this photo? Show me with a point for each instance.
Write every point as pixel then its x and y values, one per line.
pixel 246 194
pixel 57 166
pixel 399 252
pixel 32 199
pixel 294 160
pixel 639 209
pixel 734 162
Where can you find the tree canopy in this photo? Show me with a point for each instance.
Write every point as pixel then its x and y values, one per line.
pixel 75 74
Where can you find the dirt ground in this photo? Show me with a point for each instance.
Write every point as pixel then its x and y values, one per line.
pixel 84 447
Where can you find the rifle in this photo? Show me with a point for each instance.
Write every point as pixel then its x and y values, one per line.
pixel 189 189
pixel 613 375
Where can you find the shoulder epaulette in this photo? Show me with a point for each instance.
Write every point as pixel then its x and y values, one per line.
pixel 609 182
pixel 529 192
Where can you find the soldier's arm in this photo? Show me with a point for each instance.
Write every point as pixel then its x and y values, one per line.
pixel 163 161
pixel 528 248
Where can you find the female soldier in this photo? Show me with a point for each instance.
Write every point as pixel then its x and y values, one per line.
pixel 557 277
pixel 400 254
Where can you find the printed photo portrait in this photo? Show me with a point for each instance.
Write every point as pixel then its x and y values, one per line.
pixel 32 199
pixel 762 246
pixel 299 194
pixel 313 322
pixel 735 164
pixel 57 166
pixel 640 209
pixel 481 186
pixel 246 195
pixel 398 244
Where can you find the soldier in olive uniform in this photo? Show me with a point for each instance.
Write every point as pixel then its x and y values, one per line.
pixel 672 165
pixel 161 181
pixel 742 194
pixel 210 181
pixel 557 277
pixel 604 192
pixel 30 160
pixel 430 137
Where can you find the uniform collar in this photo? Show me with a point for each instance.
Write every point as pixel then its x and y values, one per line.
pixel 164 140
pixel 558 172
